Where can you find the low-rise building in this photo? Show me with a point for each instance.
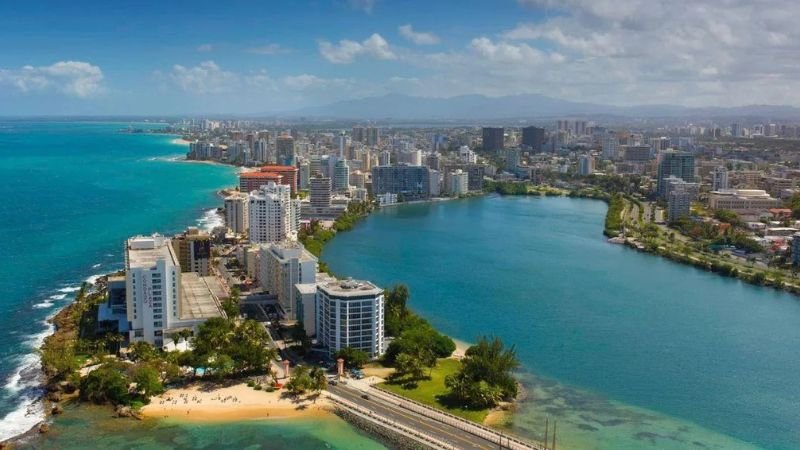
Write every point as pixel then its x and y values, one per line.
pixel 742 201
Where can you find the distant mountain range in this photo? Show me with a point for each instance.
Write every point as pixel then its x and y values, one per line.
pixel 475 107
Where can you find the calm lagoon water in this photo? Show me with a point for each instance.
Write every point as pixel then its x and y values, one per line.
pixel 625 350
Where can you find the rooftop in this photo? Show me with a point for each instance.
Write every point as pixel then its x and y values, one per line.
pixel 200 297
pixel 350 288
pixel 145 251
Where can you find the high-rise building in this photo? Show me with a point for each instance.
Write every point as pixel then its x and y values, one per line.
pixel 610 147
pixel 493 139
pixel 304 172
pixel 412 182
pixel 677 164
pixel 635 153
pixel 459 183
pixel 159 299
pixel 796 249
pixel 512 159
pixel 373 136
pixel 585 165
pixel 679 204
pixel 320 192
pixel 466 155
pixel 274 216
pixel 475 171
pixel 341 180
pixel 385 158
pixel 359 134
pixel 285 151
pixel 261 151
pixel 350 313
pixel 533 137
pixel 358 179
pixel 283 265
pixel 719 178
pixel 193 250
pixel 237 216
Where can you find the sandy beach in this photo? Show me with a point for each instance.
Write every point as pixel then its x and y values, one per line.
pixel 180 141
pixel 206 402
pixel 461 348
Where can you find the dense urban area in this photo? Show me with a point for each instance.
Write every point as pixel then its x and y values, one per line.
pixel 253 299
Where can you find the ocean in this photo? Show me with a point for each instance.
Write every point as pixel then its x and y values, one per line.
pixel 72 193
pixel 623 349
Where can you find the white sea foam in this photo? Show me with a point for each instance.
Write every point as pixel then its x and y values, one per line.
pixel 26 384
pixel 43 305
pixel 95 266
pixel 210 220
pixel 58 297
pixel 93 279
pixel 71 289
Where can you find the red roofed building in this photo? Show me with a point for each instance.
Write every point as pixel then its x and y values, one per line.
pixel 251 181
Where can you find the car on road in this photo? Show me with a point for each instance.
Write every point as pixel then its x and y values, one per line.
pixel 365 396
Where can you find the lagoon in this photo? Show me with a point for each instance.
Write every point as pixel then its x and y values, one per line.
pixel 624 349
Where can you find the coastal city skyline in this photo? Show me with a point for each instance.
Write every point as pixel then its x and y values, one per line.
pixel 372 224
pixel 278 57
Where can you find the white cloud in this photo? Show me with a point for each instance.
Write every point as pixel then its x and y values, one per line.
pixel 692 52
pixel 204 48
pixel 204 78
pixel 346 51
pixel 417 37
pixel 269 49
pixel 74 78
pixel 363 5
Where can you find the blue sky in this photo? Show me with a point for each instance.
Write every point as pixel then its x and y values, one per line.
pixel 199 57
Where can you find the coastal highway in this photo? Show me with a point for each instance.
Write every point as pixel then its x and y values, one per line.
pixel 441 431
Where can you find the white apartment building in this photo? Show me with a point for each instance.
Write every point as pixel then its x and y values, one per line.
pixel 719 178
pixel 350 313
pixel 459 183
pixel 237 215
pixel 282 265
pixel 273 214
pixel 160 299
pixel 466 155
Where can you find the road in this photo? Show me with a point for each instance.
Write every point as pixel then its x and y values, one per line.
pixel 441 431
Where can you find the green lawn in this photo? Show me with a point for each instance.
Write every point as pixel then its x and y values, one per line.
pixel 433 391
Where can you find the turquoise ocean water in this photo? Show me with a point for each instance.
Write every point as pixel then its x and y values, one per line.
pixel 72 193
pixel 625 350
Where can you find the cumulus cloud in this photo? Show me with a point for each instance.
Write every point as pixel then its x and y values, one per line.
pixel 269 49
pixel 204 78
pixel 417 37
pixel 685 51
pixel 346 51
pixel 73 78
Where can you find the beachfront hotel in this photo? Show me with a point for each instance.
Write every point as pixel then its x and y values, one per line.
pixel 350 313
pixel 159 298
pixel 273 215
pixel 251 181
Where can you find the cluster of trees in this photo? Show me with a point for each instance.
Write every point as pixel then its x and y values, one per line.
pixel 230 347
pixel 353 357
pixel 613 224
pixel 305 379
pixel 314 237
pixel 486 375
pixel 417 345
pixel 506 187
pixel 122 383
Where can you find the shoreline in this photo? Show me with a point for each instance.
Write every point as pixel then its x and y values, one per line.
pixel 210 402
